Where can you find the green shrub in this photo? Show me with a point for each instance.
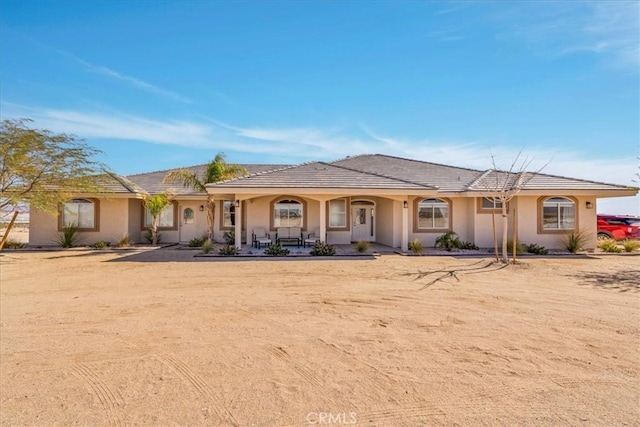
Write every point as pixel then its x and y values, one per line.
pixel 125 241
pixel 323 249
pixel 228 250
pixel 448 241
pixel 148 236
pixel 467 245
pixel 69 237
pixel 574 241
pixel 207 246
pixel 534 248
pixel 276 250
pixel 630 245
pixel 197 242
pixel 101 244
pixel 230 237
pixel 416 246
pixel 362 246
pixel 609 245
pixel 520 247
pixel 13 244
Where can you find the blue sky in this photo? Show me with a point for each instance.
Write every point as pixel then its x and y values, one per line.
pixel 163 84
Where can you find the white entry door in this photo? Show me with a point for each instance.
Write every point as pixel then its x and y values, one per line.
pixel 362 224
pixel 188 222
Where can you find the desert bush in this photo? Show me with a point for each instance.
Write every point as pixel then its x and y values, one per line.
pixel 534 248
pixel 323 249
pixel 521 248
pixel 148 236
pixel 362 246
pixel 125 241
pixel 101 244
pixel 416 246
pixel 448 241
pixel 69 237
pixel 630 245
pixel 467 245
pixel 276 250
pixel 229 237
pixel 228 250
pixel 609 245
pixel 207 246
pixel 13 244
pixel 574 241
pixel 197 242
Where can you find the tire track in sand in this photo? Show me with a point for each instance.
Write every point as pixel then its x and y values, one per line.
pixel 200 386
pixel 108 399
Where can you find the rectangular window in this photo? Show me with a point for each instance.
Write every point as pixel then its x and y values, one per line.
pixel 489 203
pixel 79 212
pixel 433 214
pixel 228 214
pixel 165 219
pixel 558 214
pixel 287 213
pixel 338 213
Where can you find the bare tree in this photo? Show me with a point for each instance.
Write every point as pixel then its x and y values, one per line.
pixel 500 187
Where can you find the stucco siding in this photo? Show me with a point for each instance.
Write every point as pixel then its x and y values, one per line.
pixel 43 228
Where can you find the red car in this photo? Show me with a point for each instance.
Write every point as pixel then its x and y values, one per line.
pixel 618 227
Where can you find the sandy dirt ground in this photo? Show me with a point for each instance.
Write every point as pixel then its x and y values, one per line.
pixel 162 338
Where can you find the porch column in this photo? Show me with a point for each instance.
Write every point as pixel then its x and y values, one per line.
pixel 323 220
pixel 238 226
pixel 404 245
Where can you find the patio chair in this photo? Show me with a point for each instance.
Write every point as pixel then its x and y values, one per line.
pixel 260 237
pixel 311 238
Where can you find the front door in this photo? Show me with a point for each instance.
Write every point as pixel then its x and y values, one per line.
pixel 362 224
pixel 187 223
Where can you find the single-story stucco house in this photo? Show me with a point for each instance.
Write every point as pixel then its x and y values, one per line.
pixel 380 198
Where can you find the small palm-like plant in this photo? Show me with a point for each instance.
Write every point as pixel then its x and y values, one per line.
pixel 217 170
pixel 574 241
pixel 69 237
pixel 155 204
pixel 125 241
pixel 207 246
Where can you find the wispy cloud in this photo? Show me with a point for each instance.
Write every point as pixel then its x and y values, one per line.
pixel 609 28
pixel 317 143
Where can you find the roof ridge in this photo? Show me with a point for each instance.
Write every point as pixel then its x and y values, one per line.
pixel 424 161
pixel 237 178
pixel 488 171
pixel 382 176
pixel 166 170
pixel 131 186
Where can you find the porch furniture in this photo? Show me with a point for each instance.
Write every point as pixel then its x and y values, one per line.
pixel 260 237
pixel 289 235
pixel 311 239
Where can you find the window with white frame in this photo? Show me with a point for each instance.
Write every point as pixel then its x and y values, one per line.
pixel 558 213
pixel 80 213
pixel 489 203
pixel 228 214
pixel 338 213
pixel 166 219
pixel 433 214
pixel 287 213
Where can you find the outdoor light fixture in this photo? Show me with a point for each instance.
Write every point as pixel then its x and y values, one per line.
pixel 405 204
pixel 201 208
pixel 237 203
pixel 589 205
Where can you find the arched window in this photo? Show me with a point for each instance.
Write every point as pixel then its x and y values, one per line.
pixel 433 214
pixel 288 213
pixel 558 213
pixel 81 213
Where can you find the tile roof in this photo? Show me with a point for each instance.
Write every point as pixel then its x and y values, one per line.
pixel 319 175
pixel 152 181
pixel 445 178
pixel 538 181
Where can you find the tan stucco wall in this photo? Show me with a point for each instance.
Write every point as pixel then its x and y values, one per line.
pixel 113 223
